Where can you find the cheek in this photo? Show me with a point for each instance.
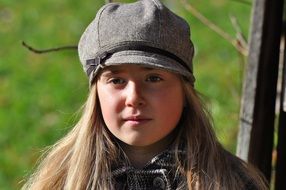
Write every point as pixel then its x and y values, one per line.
pixel 110 106
pixel 171 110
pixel 169 105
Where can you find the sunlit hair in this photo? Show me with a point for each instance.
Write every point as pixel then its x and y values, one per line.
pixel 207 164
pixel 83 158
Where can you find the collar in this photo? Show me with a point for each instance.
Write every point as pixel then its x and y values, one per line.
pixel 159 173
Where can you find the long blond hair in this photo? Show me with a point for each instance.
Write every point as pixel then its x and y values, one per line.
pixel 83 158
pixel 208 165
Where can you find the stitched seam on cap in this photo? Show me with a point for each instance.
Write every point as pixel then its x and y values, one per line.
pixel 98 37
pixel 135 52
pixel 122 43
pixel 159 15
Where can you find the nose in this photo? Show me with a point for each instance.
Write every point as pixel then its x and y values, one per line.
pixel 134 95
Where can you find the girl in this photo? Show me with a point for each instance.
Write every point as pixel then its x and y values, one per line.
pixel 143 125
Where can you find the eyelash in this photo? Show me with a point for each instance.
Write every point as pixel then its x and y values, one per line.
pixel 116 81
pixel 119 81
pixel 154 78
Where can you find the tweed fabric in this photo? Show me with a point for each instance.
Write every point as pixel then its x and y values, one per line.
pixel 158 174
pixel 146 24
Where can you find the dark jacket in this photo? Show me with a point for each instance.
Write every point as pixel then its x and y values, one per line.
pixel 159 174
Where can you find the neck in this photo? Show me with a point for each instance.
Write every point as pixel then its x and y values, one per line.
pixel 140 155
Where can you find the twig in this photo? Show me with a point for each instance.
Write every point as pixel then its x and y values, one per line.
pixel 241 39
pixel 215 28
pixel 48 50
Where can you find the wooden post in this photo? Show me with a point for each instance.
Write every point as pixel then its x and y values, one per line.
pixel 249 85
pixel 280 182
pixel 255 140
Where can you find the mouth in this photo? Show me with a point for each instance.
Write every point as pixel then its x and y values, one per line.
pixel 136 120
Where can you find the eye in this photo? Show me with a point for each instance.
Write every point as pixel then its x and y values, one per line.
pixel 153 78
pixel 116 81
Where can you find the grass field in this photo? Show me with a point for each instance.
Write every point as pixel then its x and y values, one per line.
pixel 40 95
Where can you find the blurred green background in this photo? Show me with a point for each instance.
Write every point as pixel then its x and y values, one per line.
pixel 40 95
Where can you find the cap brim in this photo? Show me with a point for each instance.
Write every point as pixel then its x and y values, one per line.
pixel 148 59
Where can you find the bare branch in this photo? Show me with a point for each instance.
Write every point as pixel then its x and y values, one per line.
pixel 72 47
pixel 48 50
pixel 215 28
pixel 241 39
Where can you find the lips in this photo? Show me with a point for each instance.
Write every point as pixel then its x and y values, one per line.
pixel 137 119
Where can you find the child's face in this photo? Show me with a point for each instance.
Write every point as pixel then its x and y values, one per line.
pixel 140 105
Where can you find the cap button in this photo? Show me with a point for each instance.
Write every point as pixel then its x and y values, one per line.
pixel 159 183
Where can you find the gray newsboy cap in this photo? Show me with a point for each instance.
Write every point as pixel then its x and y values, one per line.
pixel 144 33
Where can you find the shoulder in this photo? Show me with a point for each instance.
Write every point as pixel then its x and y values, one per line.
pixel 250 178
